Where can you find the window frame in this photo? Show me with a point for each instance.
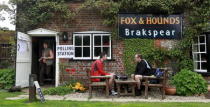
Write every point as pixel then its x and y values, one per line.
pixel 91 33
pixel 110 44
pixel 82 46
pixel 198 52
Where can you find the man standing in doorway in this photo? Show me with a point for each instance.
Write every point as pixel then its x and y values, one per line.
pixel 46 62
pixel 97 69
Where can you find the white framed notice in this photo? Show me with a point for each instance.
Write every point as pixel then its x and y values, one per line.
pixel 64 51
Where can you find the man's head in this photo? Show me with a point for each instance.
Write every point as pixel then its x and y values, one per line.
pixel 45 45
pixel 138 57
pixel 103 56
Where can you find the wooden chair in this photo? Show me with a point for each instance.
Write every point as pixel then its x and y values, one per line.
pixel 160 85
pixel 97 84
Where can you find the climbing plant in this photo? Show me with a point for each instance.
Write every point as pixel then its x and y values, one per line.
pixel 31 13
pixel 196 20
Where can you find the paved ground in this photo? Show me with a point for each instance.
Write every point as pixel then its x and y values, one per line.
pixel 154 96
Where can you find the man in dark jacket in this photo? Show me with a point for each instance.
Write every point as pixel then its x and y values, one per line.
pixel 142 68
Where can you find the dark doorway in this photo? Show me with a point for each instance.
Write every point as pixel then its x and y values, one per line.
pixel 37 47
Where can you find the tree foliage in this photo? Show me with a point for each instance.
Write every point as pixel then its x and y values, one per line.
pixel 31 13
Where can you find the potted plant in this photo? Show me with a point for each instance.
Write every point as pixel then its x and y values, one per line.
pixel 170 89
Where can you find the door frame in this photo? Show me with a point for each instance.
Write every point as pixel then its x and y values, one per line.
pixel 41 32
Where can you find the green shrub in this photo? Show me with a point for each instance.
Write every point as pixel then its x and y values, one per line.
pixel 189 83
pixel 60 90
pixel 7 78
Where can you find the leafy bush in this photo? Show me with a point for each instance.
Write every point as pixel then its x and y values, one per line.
pixel 60 90
pixel 68 87
pixel 189 83
pixel 7 78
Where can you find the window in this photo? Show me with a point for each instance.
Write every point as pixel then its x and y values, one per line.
pixel 199 54
pixel 102 43
pixel 89 45
pixel 82 43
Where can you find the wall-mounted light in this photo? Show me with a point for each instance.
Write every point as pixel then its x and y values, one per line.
pixel 65 36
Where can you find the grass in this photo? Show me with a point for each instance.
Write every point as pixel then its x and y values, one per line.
pixel 24 103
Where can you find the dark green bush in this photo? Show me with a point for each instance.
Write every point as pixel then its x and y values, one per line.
pixel 7 78
pixel 60 90
pixel 189 83
pixel 5 64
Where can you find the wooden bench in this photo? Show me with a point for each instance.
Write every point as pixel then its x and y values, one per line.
pixel 104 84
pixel 160 85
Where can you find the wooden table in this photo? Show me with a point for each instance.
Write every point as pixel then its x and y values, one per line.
pixel 120 83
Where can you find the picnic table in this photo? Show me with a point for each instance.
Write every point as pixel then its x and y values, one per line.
pixel 121 85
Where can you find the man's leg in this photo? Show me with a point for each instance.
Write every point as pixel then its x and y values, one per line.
pixel 48 71
pixel 138 78
pixel 41 73
pixel 111 81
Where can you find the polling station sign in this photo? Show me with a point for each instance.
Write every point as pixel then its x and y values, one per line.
pixel 65 51
pixel 150 26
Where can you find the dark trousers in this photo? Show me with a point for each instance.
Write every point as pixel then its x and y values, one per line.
pixel 45 70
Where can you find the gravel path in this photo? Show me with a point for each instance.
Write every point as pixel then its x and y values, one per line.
pixel 154 96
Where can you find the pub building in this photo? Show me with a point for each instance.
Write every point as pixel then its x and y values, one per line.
pixel 78 44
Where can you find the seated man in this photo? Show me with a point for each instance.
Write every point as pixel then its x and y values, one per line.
pixel 97 70
pixel 142 68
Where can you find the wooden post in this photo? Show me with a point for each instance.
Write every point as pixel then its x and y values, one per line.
pixel 146 88
pixel 32 88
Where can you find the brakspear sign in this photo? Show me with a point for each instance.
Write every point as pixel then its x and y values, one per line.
pixel 150 26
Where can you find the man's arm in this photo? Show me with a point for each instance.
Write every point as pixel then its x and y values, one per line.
pixel 51 55
pixel 40 59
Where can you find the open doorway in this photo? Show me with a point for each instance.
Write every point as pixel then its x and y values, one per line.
pixel 37 48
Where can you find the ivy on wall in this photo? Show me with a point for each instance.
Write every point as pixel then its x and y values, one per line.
pixel 196 20
pixel 134 46
pixel 196 14
pixel 158 57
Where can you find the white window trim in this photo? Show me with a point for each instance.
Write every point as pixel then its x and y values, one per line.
pixel 199 60
pixel 82 45
pixel 91 34
pixel 110 44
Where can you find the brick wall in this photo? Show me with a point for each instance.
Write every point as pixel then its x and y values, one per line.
pixel 90 20
pixel 85 20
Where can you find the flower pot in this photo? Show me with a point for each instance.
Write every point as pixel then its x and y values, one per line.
pixel 170 90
